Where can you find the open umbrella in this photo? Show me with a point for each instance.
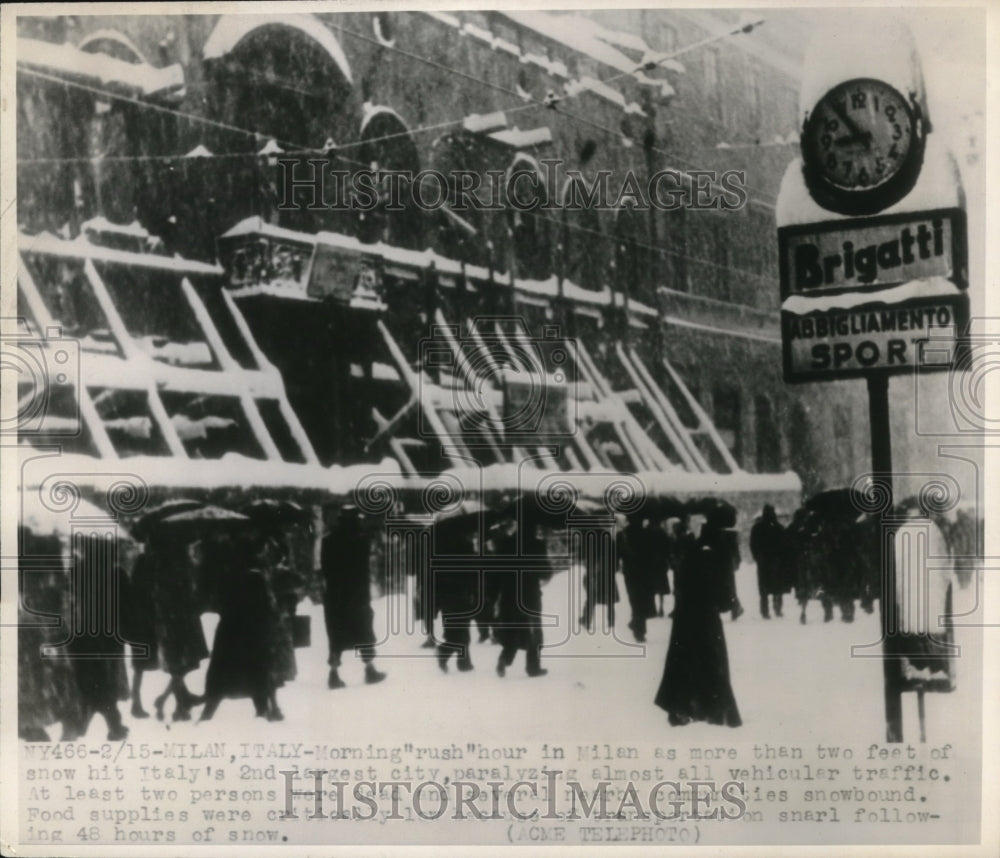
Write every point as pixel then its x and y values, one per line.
pixel 658 508
pixel 145 525
pixel 277 512
pixel 716 510
pixel 201 520
pixel 836 503
pixel 530 510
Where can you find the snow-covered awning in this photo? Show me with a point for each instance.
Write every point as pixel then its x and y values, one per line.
pixel 231 471
pixel 518 139
pixel 574 32
pixel 927 288
pixel 81 248
pixel 480 123
pixel 100 70
pixel 232 29
pixel 419 260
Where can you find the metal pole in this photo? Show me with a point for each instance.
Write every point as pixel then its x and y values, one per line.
pixel 878 406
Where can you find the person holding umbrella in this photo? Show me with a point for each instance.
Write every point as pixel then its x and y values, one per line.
pixel 347 596
pixel 177 546
pixel 457 592
pixel 279 521
pixel 645 552
pixel 139 622
pixel 519 610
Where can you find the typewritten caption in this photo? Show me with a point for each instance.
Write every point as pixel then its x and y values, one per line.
pixel 228 792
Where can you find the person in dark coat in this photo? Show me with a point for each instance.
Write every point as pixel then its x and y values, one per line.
pixel 139 626
pixel 239 666
pixel 347 597
pixel 799 543
pixel 180 639
pixel 519 610
pixel 425 603
pixel 456 593
pixel 288 585
pixel 663 547
pixel 718 533
pixel 485 615
pixel 695 684
pixel 600 586
pixel 839 572
pixel 98 656
pixel 47 691
pixel 644 559
pixel 767 545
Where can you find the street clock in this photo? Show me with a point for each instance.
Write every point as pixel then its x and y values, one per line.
pixel 862 147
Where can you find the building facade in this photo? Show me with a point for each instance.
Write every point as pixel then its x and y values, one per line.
pixel 187 128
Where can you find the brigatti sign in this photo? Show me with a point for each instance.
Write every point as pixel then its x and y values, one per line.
pixel 843 313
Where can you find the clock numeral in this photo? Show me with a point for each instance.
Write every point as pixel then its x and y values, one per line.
pixel 879 165
pixel 858 100
pixel 831 125
pixel 862 176
pixel 897 131
pixel 826 140
pixel 847 167
pixel 890 113
pixel 894 152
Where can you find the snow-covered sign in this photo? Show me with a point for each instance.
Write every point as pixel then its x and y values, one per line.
pixel 864 296
pixel 871 253
pixel 853 334
pixel 869 294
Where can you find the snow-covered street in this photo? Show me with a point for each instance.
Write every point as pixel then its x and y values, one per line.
pixel 795 684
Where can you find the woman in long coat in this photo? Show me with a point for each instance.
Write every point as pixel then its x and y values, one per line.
pixel 695 684
pixel 240 665
pixel 347 598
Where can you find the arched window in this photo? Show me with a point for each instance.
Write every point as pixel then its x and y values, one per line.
pixel 281 76
pixel 114 44
pixel 528 223
pixel 388 148
pixel 462 231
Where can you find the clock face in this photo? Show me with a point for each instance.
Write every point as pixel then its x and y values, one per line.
pixel 862 146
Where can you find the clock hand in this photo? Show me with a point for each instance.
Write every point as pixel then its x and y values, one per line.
pixel 852 126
